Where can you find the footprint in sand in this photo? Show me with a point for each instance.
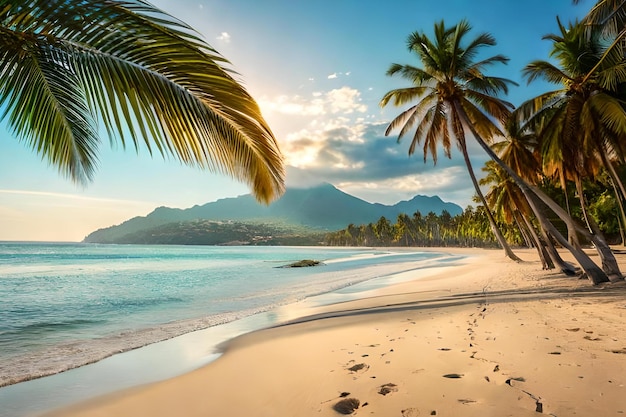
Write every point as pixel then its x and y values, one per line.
pixel 520 379
pixel 359 367
pixel 411 412
pixel 466 401
pixel 346 406
pixel 388 388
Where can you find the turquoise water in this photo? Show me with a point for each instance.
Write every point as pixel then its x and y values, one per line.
pixel 66 305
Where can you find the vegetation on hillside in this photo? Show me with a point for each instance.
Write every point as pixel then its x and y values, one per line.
pixel 209 232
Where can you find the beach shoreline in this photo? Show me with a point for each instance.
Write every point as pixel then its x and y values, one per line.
pixel 20 363
pixel 125 367
pixel 488 337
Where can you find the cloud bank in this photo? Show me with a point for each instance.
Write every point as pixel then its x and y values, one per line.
pixel 337 143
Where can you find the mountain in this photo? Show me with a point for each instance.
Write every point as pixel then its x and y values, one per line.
pixel 322 208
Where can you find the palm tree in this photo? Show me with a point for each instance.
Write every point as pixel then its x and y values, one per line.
pixel 507 201
pixel 581 124
pixel 519 151
pixel 148 78
pixel 451 82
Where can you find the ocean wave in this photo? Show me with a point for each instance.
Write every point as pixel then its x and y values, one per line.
pixel 49 326
pixel 62 357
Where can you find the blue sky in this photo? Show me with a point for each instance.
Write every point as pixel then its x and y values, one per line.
pixel 317 69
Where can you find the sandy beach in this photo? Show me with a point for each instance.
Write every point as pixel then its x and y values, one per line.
pixel 485 337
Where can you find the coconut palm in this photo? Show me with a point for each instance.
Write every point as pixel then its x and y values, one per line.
pixel 146 77
pixel 450 82
pixel 519 151
pixel 582 123
pixel 508 202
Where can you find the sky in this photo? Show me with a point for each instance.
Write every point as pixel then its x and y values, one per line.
pixel 317 70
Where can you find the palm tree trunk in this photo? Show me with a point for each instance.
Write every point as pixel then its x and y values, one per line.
pixel 609 263
pixel 592 271
pixel 595 274
pixel 528 240
pixel 546 260
pixel 571 232
pixel 492 222
pixel 581 199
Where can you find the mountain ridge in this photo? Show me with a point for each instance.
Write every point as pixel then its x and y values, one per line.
pixel 321 208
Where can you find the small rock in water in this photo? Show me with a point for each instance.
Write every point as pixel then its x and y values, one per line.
pixel 302 263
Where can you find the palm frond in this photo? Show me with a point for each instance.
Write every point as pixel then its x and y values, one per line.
pixel 543 70
pixel 493 106
pixel 490 85
pixel 416 75
pixel 401 96
pixel 420 44
pixel 610 111
pixel 608 14
pixel 481 65
pixel 423 111
pixel 434 134
pixel 535 106
pixel 472 49
pixel 423 126
pixel 41 101
pixel 153 81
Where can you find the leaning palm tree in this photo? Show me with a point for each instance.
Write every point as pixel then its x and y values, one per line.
pixel 450 82
pixel 67 67
pixel 510 206
pixel 519 150
pixel 583 122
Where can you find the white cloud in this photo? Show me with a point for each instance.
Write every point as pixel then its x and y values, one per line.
pixel 295 105
pixel 345 100
pixel 427 183
pixel 224 36
pixel 332 76
pixel 312 148
pixel 341 101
